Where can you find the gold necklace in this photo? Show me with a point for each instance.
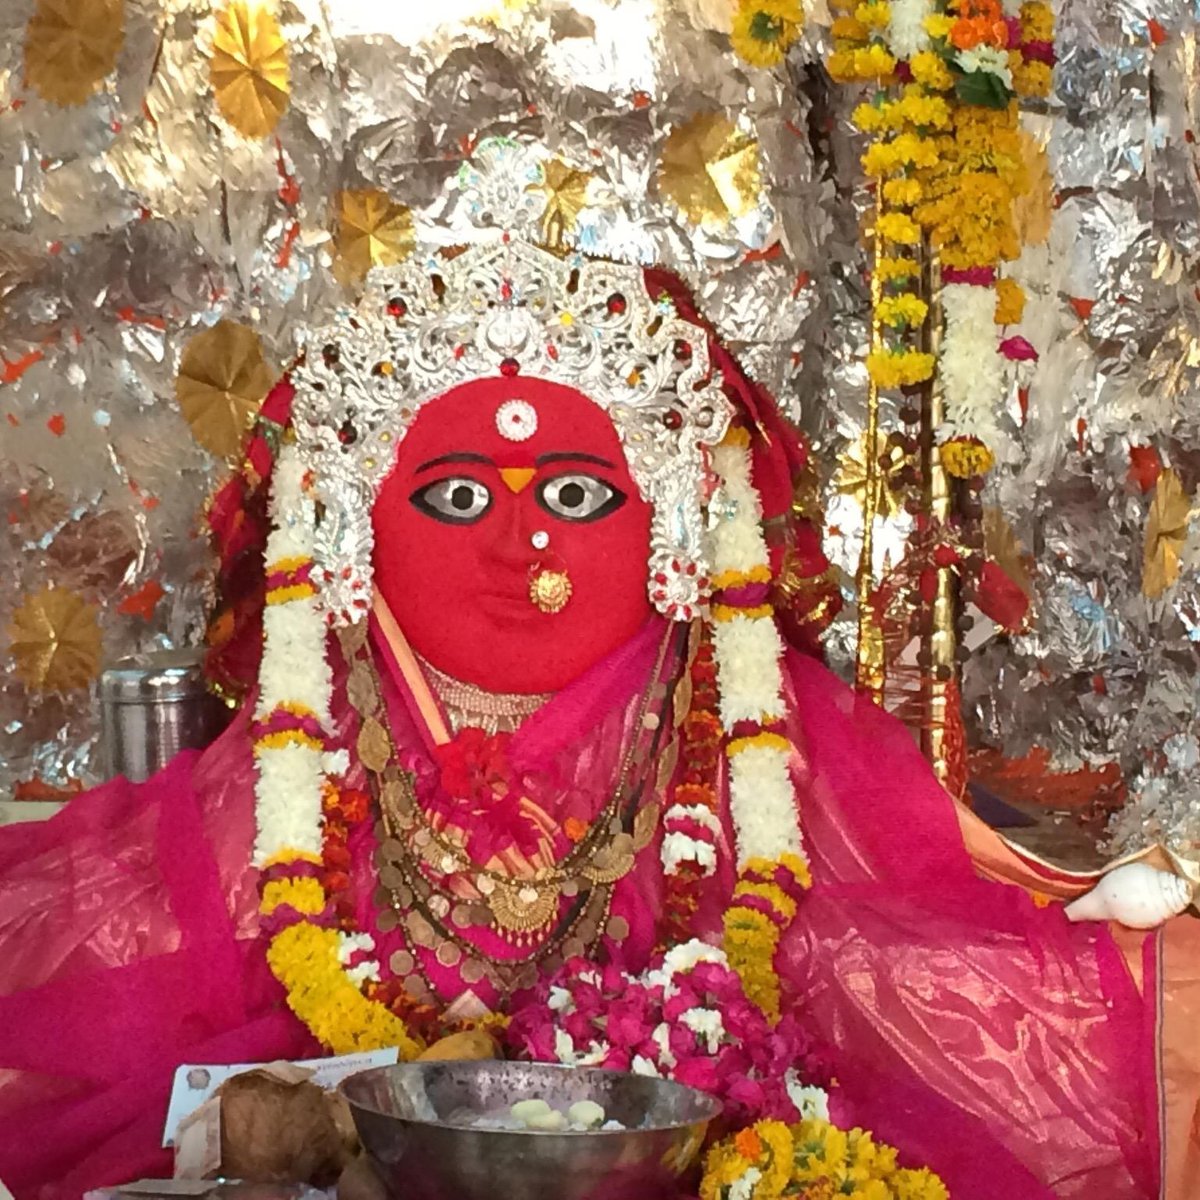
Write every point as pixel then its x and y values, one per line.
pixel 519 908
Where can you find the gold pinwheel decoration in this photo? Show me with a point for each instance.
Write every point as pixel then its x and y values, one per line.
pixel 54 640
pixel 852 476
pixel 249 67
pixel 71 45
pixel 222 381
pixel 710 169
pixel 372 231
pixel 565 188
pixel 1166 532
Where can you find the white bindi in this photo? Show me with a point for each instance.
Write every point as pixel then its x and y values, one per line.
pixel 516 420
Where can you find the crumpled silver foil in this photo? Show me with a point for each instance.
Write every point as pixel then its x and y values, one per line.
pixel 140 217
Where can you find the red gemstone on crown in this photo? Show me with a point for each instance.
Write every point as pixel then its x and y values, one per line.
pixel 509 367
pixel 617 303
pixel 396 307
pixel 672 419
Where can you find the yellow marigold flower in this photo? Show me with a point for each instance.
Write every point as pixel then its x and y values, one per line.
pixel 849 29
pixel 903 193
pixel 776 1137
pixel 874 15
pixel 902 311
pixel 918 1185
pixel 897 227
pixel 938 25
pixel 1010 302
pixel 896 268
pixel 965 458
pixel 899 368
pixel 820 1149
pixel 930 71
pixel 870 118
pixel 304 894
pixel 922 110
pixel 763 30
pixel 880 159
pixel 840 65
pixel 1032 79
pixel 1037 22
pixel 915 151
pixel 873 62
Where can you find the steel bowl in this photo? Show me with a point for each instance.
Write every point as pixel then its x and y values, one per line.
pixel 404 1116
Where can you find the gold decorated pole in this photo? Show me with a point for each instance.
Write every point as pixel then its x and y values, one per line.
pixel 938 632
pixel 869 675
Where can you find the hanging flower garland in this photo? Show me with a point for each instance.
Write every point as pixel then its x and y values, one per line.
pixel 946 156
pixel 323 968
pixel 691 825
pixel 773 871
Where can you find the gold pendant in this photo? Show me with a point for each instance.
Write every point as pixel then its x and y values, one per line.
pixel 611 862
pixel 522 908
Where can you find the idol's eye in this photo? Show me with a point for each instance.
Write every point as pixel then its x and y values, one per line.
pixel 458 500
pixel 579 497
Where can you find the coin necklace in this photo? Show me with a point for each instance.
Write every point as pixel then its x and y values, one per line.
pixel 519 909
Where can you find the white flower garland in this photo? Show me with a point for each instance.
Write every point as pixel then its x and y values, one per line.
pixel 906 32
pixel 294 678
pixel 972 368
pixel 749 650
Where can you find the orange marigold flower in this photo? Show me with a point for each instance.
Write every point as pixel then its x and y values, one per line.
pixel 748 1144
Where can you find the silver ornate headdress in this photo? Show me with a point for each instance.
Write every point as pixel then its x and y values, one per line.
pixel 507 307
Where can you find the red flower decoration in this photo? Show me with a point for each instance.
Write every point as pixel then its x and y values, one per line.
pixel 475 766
pixel 476 772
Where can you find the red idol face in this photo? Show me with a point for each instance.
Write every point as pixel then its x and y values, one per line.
pixel 499 484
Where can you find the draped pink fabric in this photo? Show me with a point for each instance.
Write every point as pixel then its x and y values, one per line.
pixel 127 947
pixel 991 1039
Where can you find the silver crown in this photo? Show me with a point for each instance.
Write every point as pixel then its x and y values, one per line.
pixel 507 307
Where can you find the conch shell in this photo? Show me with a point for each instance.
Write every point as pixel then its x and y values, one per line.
pixel 1136 895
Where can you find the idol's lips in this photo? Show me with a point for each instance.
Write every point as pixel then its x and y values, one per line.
pixel 510 603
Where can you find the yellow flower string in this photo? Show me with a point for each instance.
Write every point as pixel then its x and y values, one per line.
pixel 946 155
pixel 304 958
pixel 763 905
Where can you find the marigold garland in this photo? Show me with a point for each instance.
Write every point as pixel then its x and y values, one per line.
pixel 812 1159
pixel 946 156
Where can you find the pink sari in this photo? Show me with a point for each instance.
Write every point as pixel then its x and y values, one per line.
pixel 992 1039
pixel 982 1035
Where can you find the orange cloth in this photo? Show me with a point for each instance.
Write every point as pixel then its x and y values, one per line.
pixel 1176 977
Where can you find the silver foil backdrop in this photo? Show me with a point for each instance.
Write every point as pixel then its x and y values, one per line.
pixel 139 218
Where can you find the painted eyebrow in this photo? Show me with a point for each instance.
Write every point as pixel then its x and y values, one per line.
pixel 545 459
pixel 453 458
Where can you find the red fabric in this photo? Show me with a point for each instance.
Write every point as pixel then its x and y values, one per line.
pixel 480 572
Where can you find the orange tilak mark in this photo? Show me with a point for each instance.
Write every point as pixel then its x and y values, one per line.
pixel 517 479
